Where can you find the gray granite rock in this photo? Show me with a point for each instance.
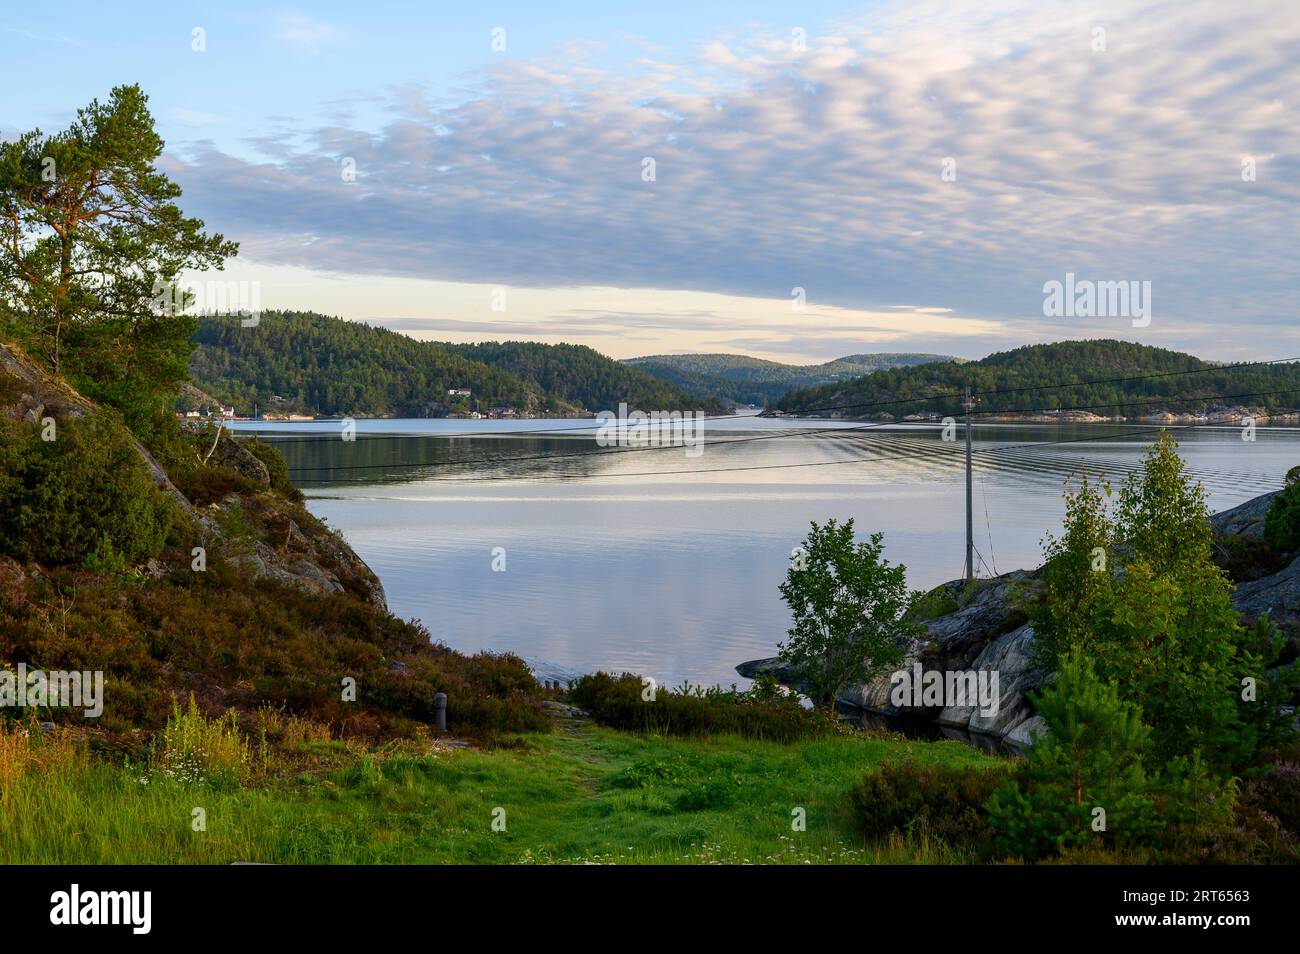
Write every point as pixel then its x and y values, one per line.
pixel 1011 657
pixel 1277 595
pixel 229 453
pixel 1022 735
pixel 1245 520
pixel 988 632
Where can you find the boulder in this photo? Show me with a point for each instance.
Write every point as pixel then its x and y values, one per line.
pixel 1277 595
pixel 1244 520
pixel 986 631
pixel 229 453
pixel 957 641
pixel 264 561
pixel 315 560
pixel 1021 736
pixel 1011 657
pixel 776 667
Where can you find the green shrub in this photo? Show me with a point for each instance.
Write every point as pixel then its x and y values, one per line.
pixel 711 795
pixel 107 563
pixel 1282 522
pixel 276 467
pixel 617 701
pixel 1090 761
pixel 1138 591
pixel 1247 558
pixel 67 498
pixel 1075 573
pixel 251 644
pixel 938 801
pixel 644 773
pixel 204 484
pixel 1085 786
pixel 940 601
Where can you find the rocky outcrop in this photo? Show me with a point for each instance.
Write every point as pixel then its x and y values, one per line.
pixel 29 394
pixel 1277 595
pixel 777 668
pixel 232 455
pixel 1244 520
pixel 267 538
pixel 1013 718
pixel 985 630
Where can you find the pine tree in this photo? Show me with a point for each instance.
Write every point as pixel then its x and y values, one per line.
pixel 1076 573
pixel 89 234
pixel 1085 780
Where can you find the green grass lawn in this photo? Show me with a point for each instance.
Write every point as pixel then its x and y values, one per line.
pixel 581 794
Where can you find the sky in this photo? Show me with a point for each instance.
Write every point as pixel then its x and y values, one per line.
pixel 796 181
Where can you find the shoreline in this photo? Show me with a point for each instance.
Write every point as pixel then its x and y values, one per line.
pixel 1230 418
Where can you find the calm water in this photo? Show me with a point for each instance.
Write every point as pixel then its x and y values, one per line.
pixel 664 564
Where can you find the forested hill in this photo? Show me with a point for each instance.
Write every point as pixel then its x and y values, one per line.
pixel 746 380
pixel 310 363
pixel 321 365
pixel 579 375
pixel 1065 363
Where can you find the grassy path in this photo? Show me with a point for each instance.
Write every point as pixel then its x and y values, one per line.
pixel 581 794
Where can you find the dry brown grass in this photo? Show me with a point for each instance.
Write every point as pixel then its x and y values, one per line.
pixel 26 749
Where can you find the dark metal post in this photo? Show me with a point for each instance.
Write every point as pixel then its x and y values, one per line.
pixel 440 710
pixel 970 532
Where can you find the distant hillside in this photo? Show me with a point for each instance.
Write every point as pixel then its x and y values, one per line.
pixel 745 380
pixel 310 363
pixel 1064 363
pixel 301 361
pixel 581 376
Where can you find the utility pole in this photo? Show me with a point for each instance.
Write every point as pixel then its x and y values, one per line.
pixel 970 531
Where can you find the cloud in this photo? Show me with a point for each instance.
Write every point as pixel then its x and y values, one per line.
pixel 777 168
pixel 195 117
pixel 307 34
pixel 42 36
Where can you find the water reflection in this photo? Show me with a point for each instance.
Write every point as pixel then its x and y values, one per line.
pixel 654 562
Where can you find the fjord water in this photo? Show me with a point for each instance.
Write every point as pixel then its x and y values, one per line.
pixel 666 564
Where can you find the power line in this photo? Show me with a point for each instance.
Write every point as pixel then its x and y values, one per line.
pixel 1107 437
pixel 839 430
pixel 918 448
pixel 600 453
pixel 718 470
pixel 604 451
pixel 837 407
pixel 594 425
pixel 657 473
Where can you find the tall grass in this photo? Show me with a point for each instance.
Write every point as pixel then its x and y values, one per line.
pixel 30 754
pixel 194 748
pixel 60 805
